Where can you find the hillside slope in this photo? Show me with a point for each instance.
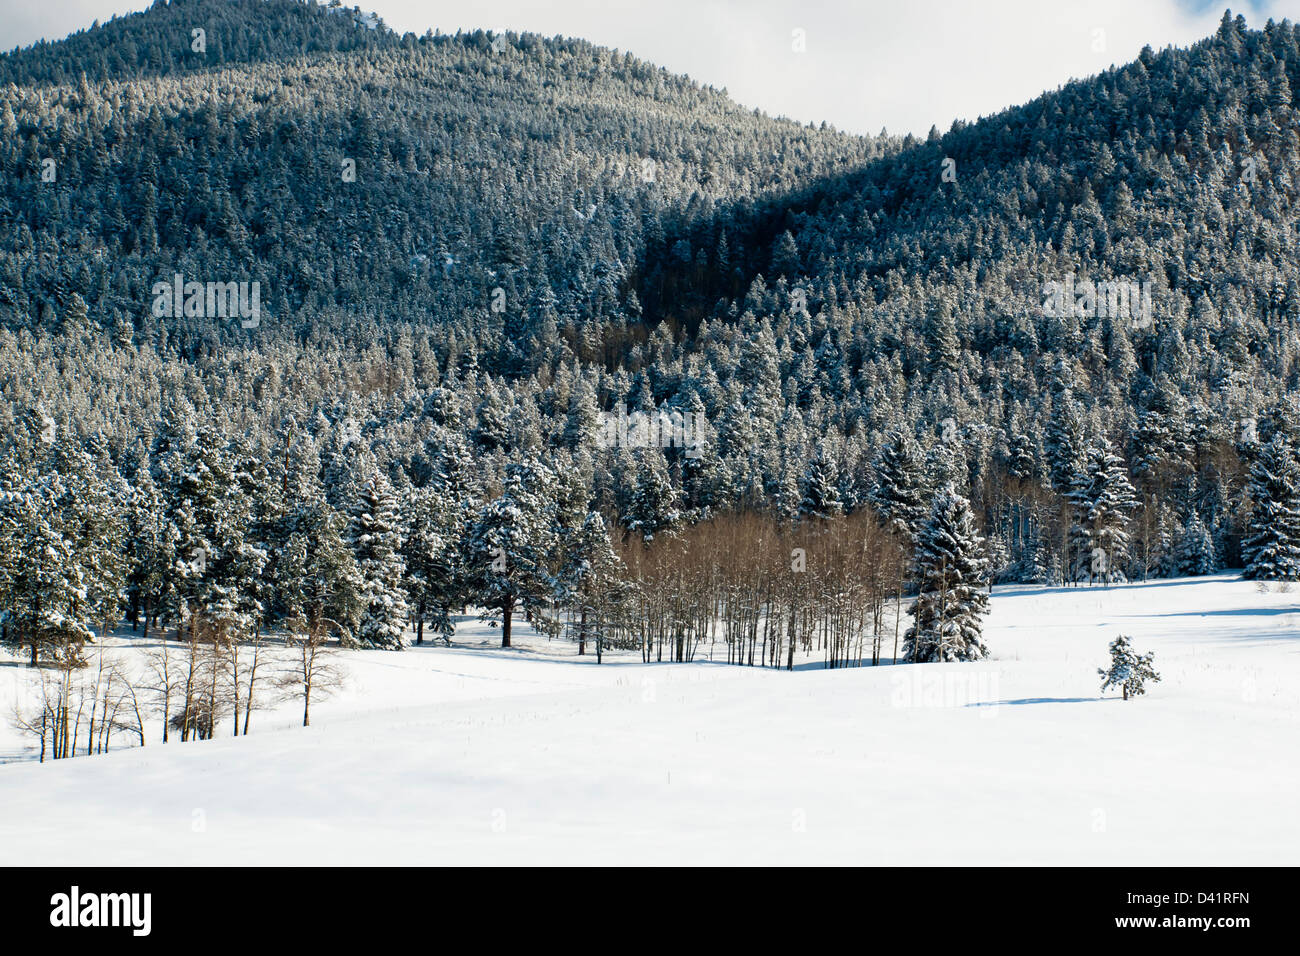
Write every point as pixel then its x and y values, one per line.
pixel 538 165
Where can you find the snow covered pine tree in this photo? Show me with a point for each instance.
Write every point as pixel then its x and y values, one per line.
pixel 1272 543
pixel 952 572
pixel 376 540
pixel 1128 670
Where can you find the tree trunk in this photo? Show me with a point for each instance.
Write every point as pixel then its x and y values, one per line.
pixel 252 676
pixel 794 613
pixel 898 613
pixel 234 681
pixel 309 667
pixel 507 609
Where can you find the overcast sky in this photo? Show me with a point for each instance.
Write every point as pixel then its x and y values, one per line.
pixel 865 64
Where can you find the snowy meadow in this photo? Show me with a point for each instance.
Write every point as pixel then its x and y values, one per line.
pixel 476 754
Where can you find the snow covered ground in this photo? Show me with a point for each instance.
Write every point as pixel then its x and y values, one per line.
pixel 477 755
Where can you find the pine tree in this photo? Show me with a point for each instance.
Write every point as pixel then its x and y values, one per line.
pixel 511 547
pixel 592 581
pixel 93 514
pixel 151 549
pixel 1021 462
pixel 1196 552
pixel 821 496
pixel 216 567
pixel 1102 498
pixel 942 343
pixel 785 256
pixel 492 431
pixel 952 576
pixel 1128 669
pixel 323 590
pixel 900 492
pixel 259 483
pixel 1065 444
pixel 583 419
pixel 324 596
pixel 76 318
pixel 429 549
pixel 652 508
pixel 376 540
pixel 46 583
pixel 1271 547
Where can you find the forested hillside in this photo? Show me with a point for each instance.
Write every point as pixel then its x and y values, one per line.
pixel 471 247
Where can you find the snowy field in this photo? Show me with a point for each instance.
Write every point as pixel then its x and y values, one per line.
pixel 478 755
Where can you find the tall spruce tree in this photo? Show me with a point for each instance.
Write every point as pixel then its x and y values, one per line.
pixel 511 548
pixel 324 591
pixel 1196 552
pixel 952 578
pixel 900 492
pixel 821 496
pixel 429 550
pixel 1102 498
pixel 376 540
pixel 1271 547
pixel 653 506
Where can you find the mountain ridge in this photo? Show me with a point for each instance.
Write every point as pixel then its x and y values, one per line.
pixel 651 244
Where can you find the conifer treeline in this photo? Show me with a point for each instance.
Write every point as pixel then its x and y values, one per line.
pixel 863 340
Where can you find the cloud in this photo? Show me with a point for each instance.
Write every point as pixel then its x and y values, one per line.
pixel 901 64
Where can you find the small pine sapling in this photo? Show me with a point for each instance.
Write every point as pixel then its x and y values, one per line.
pixel 1128 670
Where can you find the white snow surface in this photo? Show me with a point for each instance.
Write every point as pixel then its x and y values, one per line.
pixel 477 755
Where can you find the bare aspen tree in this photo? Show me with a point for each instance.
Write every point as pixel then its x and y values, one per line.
pixel 164 674
pixel 130 694
pixel 250 698
pixel 311 672
pixel 765 589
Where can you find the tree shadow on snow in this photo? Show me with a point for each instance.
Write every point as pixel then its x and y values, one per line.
pixel 1083 587
pixel 816 665
pixel 1038 700
pixel 1227 612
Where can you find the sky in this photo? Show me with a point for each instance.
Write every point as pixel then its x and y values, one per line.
pixel 859 65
